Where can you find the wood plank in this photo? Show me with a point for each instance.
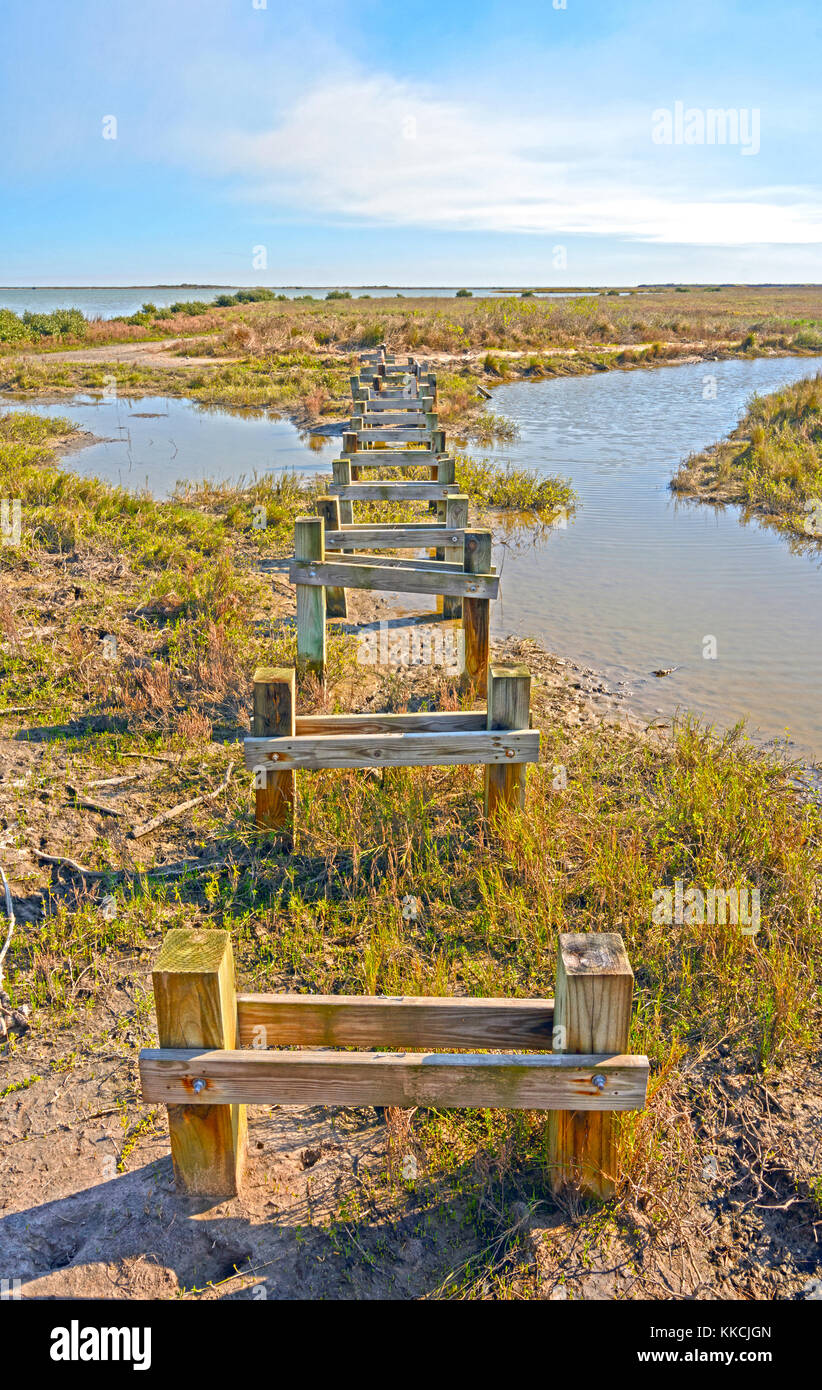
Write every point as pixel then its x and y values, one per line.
pixel 392 458
pixel 385 419
pixel 392 750
pixel 332 1020
pixel 393 579
pixel 394 537
pixel 405 563
pixel 512 1081
pixel 593 1006
pixel 428 722
pixel 394 436
pixel 394 492
pixel 193 979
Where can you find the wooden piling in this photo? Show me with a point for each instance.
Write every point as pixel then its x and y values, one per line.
pixel 309 545
pixel 329 509
pixel 456 516
pixel 509 706
pixel 274 717
pixel 196 1008
pixel 592 1014
pixel 476 612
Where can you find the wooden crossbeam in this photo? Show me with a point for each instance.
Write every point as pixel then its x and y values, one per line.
pixel 334 1020
pixel 518 1081
pixel 390 418
pixel 394 435
pixel 393 537
pixel 393 491
pixel 392 750
pixel 406 562
pixel 402 580
pixel 392 458
pixel 430 722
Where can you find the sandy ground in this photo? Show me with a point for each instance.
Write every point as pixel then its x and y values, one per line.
pixel 88 1206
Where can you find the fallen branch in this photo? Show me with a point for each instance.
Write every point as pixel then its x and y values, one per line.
pixel 176 811
pixel 87 804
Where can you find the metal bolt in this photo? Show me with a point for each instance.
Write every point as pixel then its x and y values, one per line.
pixel 455 538
pixel 509 752
pixel 599 1081
pixel 199 1086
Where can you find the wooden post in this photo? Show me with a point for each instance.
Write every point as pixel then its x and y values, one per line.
pixel 329 509
pixel 443 471
pixel 309 544
pixel 592 1013
pixel 350 443
pixel 196 1007
pixel 509 707
pixel 476 612
pixel 341 471
pixel 456 515
pixel 274 715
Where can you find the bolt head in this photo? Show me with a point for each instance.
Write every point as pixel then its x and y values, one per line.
pixel 598 1080
pixel 199 1086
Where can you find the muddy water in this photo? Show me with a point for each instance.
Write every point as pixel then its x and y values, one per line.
pixel 155 442
pixel 639 581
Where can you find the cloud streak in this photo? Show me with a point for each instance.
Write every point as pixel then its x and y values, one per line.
pixel 381 152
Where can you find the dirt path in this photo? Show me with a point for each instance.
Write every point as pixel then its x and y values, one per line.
pixel 162 354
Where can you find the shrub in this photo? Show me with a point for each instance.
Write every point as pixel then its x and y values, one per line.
pixel 12 328
pixel 57 324
pixel 464 294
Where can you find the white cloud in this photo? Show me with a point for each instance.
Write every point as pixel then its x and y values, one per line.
pixel 382 152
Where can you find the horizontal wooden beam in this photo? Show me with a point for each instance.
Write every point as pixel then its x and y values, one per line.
pixel 329 574
pixel 393 436
pixel 429 722
pixel 333 1020
pixel 406 562
pixel 387 419
pixel 514 1081
pixel 394 458
pixel 483 748
pixel 393 537
pixel 394 492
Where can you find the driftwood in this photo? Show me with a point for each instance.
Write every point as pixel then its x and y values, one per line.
pixel 140 830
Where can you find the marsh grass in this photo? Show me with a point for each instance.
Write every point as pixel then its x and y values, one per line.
pixel 635 815
pixel 772 462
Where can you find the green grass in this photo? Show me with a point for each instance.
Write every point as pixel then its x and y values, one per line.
pixel 632 817
pixel 491 484
pixel 772 462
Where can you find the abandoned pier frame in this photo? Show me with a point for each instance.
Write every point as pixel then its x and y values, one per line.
pixel 498 738
pixel 471 580
pixel 220 1050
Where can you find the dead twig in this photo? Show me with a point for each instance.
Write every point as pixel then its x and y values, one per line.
pixel 176 811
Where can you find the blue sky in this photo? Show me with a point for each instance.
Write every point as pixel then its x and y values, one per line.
pixel 271 142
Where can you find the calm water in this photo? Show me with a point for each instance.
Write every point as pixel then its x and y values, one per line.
pixel 156 442
pixel 104 303
pixel 638 579
pixel 636 582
